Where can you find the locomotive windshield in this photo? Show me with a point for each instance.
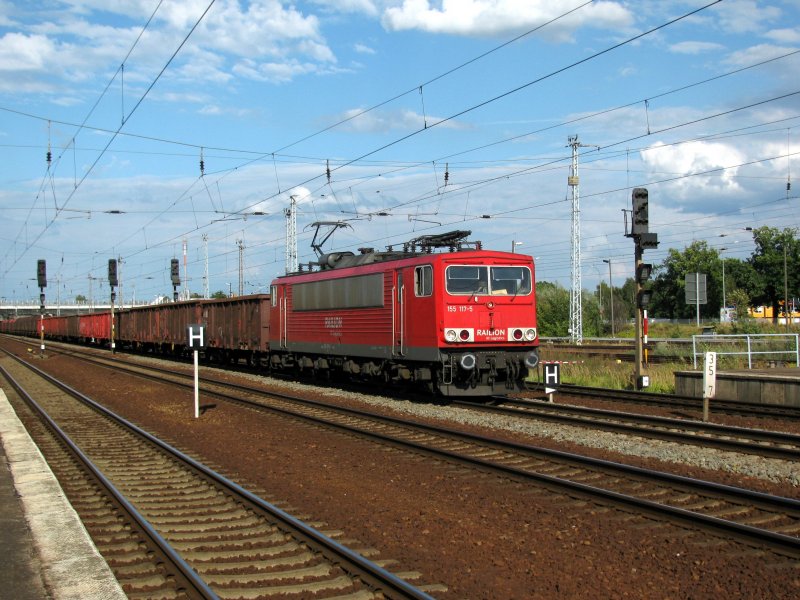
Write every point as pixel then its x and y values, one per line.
pixel 495 281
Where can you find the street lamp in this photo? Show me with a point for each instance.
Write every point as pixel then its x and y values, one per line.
pixel 611 294
pixel 514 245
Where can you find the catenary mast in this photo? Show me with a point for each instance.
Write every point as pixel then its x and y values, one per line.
pixel 575 303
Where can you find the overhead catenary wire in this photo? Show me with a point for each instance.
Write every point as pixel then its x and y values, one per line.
pixel 279 186
pixel 124 120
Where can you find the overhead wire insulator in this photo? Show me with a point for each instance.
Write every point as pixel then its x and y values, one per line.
pixel 446 173
pixel 328 170
pixel 202 164
pixel 49 153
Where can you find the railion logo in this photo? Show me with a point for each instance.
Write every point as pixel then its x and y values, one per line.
pixel 492 332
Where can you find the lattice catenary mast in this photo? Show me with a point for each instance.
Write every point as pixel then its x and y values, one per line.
pixel 205 270
pixel 291 235
pixel 575 303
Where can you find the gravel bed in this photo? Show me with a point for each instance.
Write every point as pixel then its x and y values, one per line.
pixel 479 536
pixel 769 469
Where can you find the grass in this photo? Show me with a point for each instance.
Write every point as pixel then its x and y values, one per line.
pixel 608 373
pixel 599 372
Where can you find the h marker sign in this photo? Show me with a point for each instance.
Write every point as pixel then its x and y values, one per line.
pixel 197 336
pixel 196 340
pixel 552 377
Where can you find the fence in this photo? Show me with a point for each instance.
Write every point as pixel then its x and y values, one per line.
pixel 765 344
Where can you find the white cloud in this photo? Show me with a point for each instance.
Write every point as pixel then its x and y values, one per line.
pixel 743 16
pixel 366 7
pixel 784 36
pixel 381 122
pixel 694 47
pixel 363 49
pixel 275 72
pixel 755 54
pixel 501 17
pixel 662 161
pixel 20 52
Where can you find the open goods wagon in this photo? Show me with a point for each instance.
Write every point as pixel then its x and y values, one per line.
pixel 235 328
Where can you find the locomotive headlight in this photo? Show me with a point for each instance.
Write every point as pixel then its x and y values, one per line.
pixel 459 335
pixel 521 334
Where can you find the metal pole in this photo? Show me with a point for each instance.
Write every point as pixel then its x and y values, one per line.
pixel 797 350
pixel 639 351
pixel 697 295
pixel 611 294
pixel 724 301
pixel 196 388
pixel 785 286
pixel 113 346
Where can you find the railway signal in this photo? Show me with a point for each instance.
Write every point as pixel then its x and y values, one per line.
pixel 643 239
pixel 112 282
pixel 41 279
pixel 175 275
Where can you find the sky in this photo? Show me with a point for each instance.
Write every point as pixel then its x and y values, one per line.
pixel 195 122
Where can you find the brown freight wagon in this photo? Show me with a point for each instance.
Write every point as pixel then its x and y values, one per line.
pixel 235 328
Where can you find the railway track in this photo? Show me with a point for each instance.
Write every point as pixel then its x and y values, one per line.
pixel 724 437
pixel 745 409
pixel 171 527
pixel 738 439
pixel 762 520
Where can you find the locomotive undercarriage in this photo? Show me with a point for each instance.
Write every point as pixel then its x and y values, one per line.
pixel 455 374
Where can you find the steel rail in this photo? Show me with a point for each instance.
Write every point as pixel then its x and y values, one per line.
pixel 779 541
pixel 650 426
pixel 749 409
pixel 193 585
pixel 541 411
pixel 349 560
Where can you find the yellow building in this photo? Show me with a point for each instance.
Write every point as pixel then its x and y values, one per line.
pixel 765 312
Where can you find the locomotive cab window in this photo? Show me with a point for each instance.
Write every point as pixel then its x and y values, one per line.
pixel 497 281
pixel 510 281
pixel 467 279
pixel 423 280
pixel 273 295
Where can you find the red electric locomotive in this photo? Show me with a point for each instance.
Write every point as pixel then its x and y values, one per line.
pixel 462 322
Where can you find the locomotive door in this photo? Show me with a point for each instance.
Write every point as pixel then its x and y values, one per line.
pixel 398 316
pixel 278 300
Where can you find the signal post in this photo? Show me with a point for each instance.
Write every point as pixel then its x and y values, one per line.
pixel 112 282
pixel 41 279
pixel 642 239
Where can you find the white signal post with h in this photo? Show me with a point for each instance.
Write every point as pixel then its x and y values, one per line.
pixel 552 377
pixel 197 340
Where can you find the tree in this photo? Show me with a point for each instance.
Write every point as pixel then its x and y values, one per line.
pixel 80 299
pixel 552 309
pixel 776 260
pixel 739 299
pixel 219 295
pixel 669 283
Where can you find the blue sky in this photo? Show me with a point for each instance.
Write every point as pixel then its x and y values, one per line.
pixel 431 116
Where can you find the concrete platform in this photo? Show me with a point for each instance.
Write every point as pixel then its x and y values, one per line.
pixel 46 551
pixel 779 386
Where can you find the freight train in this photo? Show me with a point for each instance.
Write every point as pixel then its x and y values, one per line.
pixel 441 313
